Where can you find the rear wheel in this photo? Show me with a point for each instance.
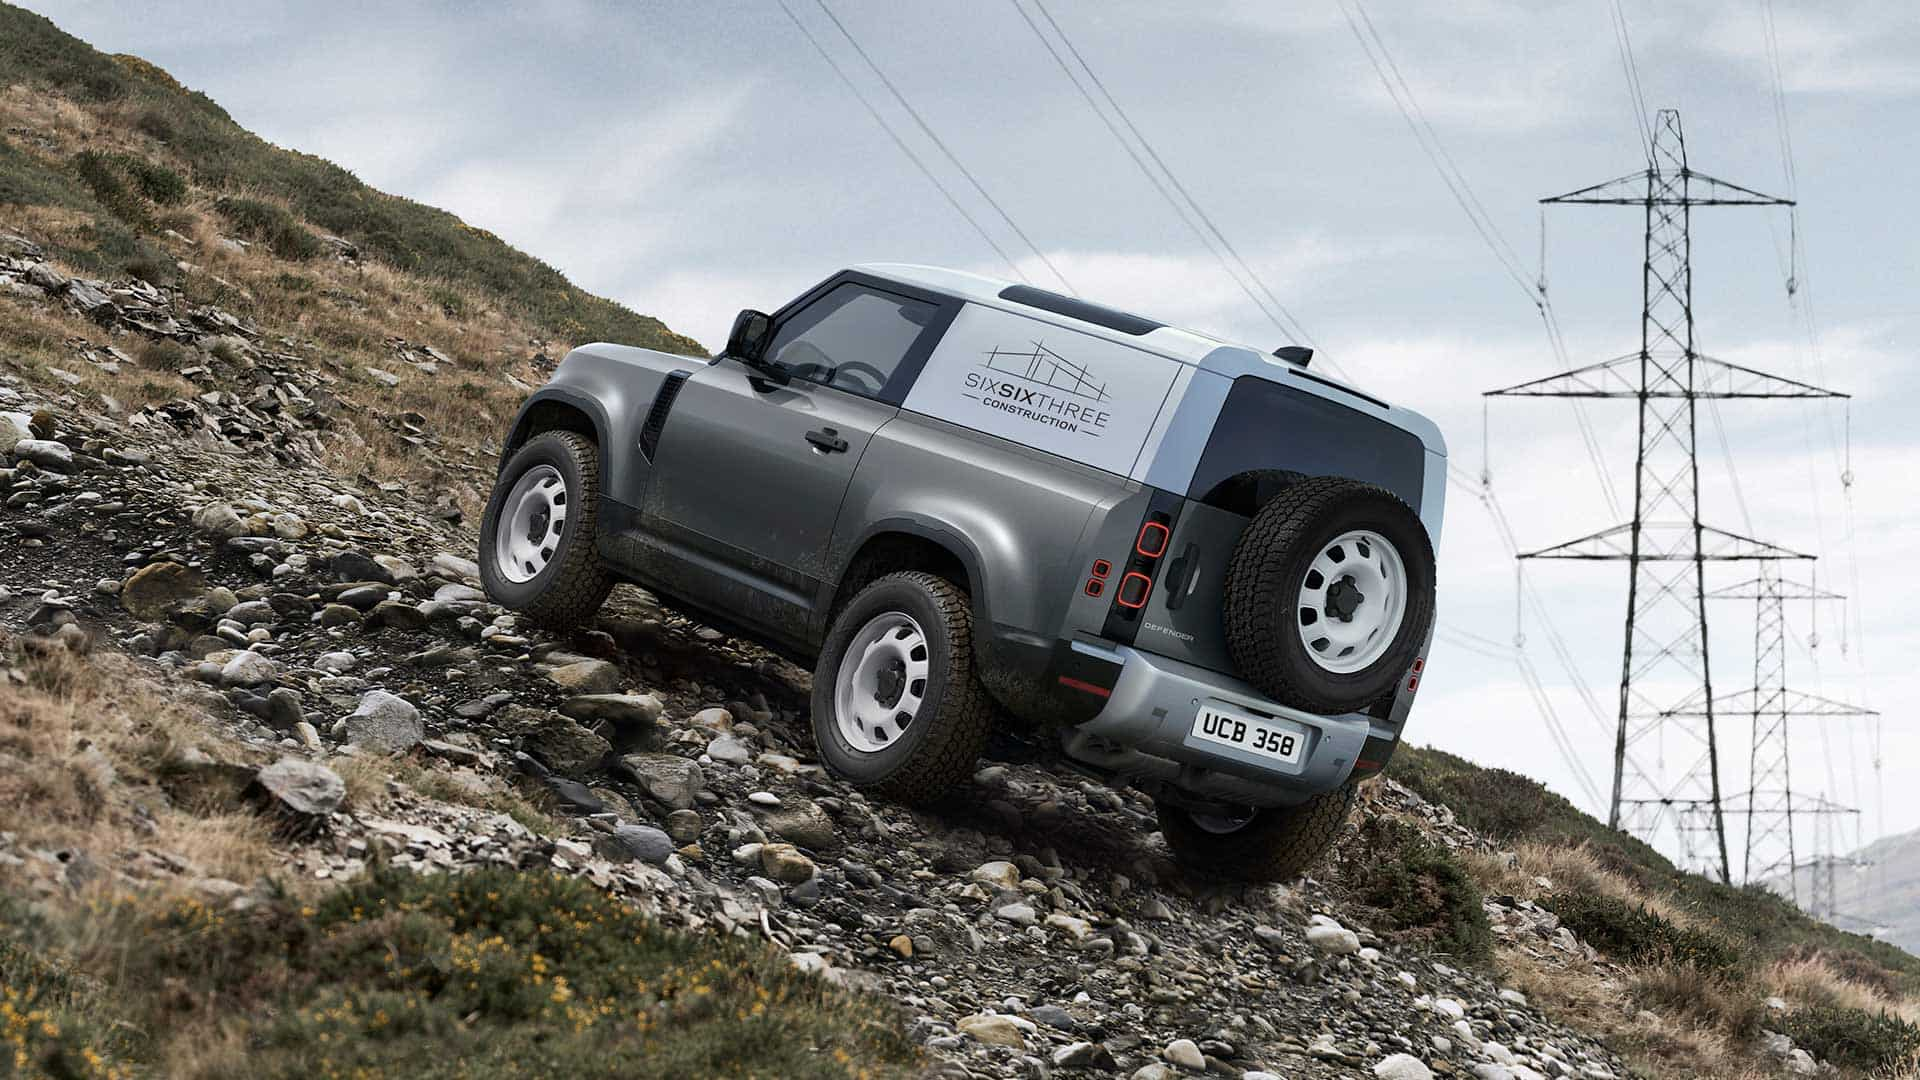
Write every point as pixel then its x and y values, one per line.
pixel 1271 844
pixel 536 537
pixel 1329 595
pixel 897 708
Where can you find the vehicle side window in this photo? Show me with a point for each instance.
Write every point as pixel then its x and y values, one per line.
pixel 854 338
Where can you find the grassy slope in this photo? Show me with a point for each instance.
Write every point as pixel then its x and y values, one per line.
pixel 219 154
pixel 1514 809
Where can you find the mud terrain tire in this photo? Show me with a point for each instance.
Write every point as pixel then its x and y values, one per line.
pixel 566 593
pixel 1274 561
pixel 923 760
pixel 1277 844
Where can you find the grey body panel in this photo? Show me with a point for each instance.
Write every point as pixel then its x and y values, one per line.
pixel 737 483
pixel 1017 515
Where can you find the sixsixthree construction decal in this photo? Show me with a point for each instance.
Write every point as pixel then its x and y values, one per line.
pixel 1076 395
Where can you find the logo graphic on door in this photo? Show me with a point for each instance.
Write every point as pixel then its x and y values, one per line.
pixel 1042 386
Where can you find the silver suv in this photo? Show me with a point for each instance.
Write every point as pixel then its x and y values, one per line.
pixel 1203 570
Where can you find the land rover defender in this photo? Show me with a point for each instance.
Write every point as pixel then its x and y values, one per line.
pixel 1198 568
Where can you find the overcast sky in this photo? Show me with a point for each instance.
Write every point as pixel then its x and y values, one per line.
pixel 693 159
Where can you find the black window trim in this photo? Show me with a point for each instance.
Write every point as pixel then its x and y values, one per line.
pixel 946 309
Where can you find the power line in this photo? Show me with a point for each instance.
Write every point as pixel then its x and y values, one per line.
pixel 901 143
pixel 1154 178
pixel 938 142
pixel 1297 331
pixel 1408 104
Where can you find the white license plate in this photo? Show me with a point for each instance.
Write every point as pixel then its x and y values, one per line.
pixel 1279 740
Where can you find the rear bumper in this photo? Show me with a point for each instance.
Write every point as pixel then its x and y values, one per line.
pixel 1145 731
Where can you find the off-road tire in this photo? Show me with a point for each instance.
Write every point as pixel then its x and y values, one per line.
pixel 569 590
pixel 1277 845
pixel 942 746
pixel 1263 581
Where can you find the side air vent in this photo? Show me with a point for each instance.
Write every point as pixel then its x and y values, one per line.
pixel 657 416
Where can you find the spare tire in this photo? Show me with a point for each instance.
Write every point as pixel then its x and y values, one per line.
pixel 1329 595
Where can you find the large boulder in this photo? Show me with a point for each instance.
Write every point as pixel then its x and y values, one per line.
pixel 219 521
pixel 303 788
pixel 385 723
pixel 45 453
pixel 667 779
pixel 248 669
pixel 800 821
pixel 566 746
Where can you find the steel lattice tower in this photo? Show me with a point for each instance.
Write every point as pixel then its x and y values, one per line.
pixel 1770 703
pixel 1664 665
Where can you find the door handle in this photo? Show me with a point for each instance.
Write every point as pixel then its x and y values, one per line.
pixel 827 440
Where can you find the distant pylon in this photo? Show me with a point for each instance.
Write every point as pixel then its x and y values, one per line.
pixel 1666 546
pixel 1771 704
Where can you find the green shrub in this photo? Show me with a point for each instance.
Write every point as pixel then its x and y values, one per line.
pixel 269 224
pixel 489 973
pixel 1422 890
pixel 159 184
pixel 1637 933
pixel 103 176
pixel 1857 1038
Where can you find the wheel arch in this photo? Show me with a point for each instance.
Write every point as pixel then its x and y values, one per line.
pixel 558 408
pixel 896 544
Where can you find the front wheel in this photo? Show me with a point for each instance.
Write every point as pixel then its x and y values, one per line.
pixel 897 708
pixel 536 537
pixel 1274 844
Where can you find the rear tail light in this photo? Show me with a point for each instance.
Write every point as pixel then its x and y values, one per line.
pixel 1134 589
pixel 1152 541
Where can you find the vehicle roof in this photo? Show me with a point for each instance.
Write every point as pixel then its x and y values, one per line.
pixel 1186 346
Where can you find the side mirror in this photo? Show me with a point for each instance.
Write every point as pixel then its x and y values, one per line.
pixel 748 341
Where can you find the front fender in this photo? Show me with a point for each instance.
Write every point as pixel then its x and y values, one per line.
pixel 613 386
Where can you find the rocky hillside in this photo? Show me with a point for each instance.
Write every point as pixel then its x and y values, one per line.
pixel 282 793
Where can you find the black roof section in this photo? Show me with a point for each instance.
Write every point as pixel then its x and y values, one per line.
pixel 1079 309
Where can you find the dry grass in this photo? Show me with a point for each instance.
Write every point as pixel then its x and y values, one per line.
pixel 82 745
pixel 1567 869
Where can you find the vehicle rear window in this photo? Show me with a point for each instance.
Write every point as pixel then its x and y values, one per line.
pixel 1079 309
pixel 1267 431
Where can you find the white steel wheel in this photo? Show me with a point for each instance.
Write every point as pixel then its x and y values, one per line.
pixel 528 530
pixel 1352 600
pixel 882 681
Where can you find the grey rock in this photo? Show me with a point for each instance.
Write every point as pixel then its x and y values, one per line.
pixel 729 750
pixel 248 669
pixel 566 746
pixel 253 613
pixel 45 453
pixel 627 710
pixel 586 676
pixel 396 614
pixel 303 787
pixel 802 822
pixel 643 842
pixel 219 521
pixel 666 778
pixel 384 723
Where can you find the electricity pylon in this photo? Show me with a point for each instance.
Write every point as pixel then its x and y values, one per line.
pixel 1770 802
pixel 1666 546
